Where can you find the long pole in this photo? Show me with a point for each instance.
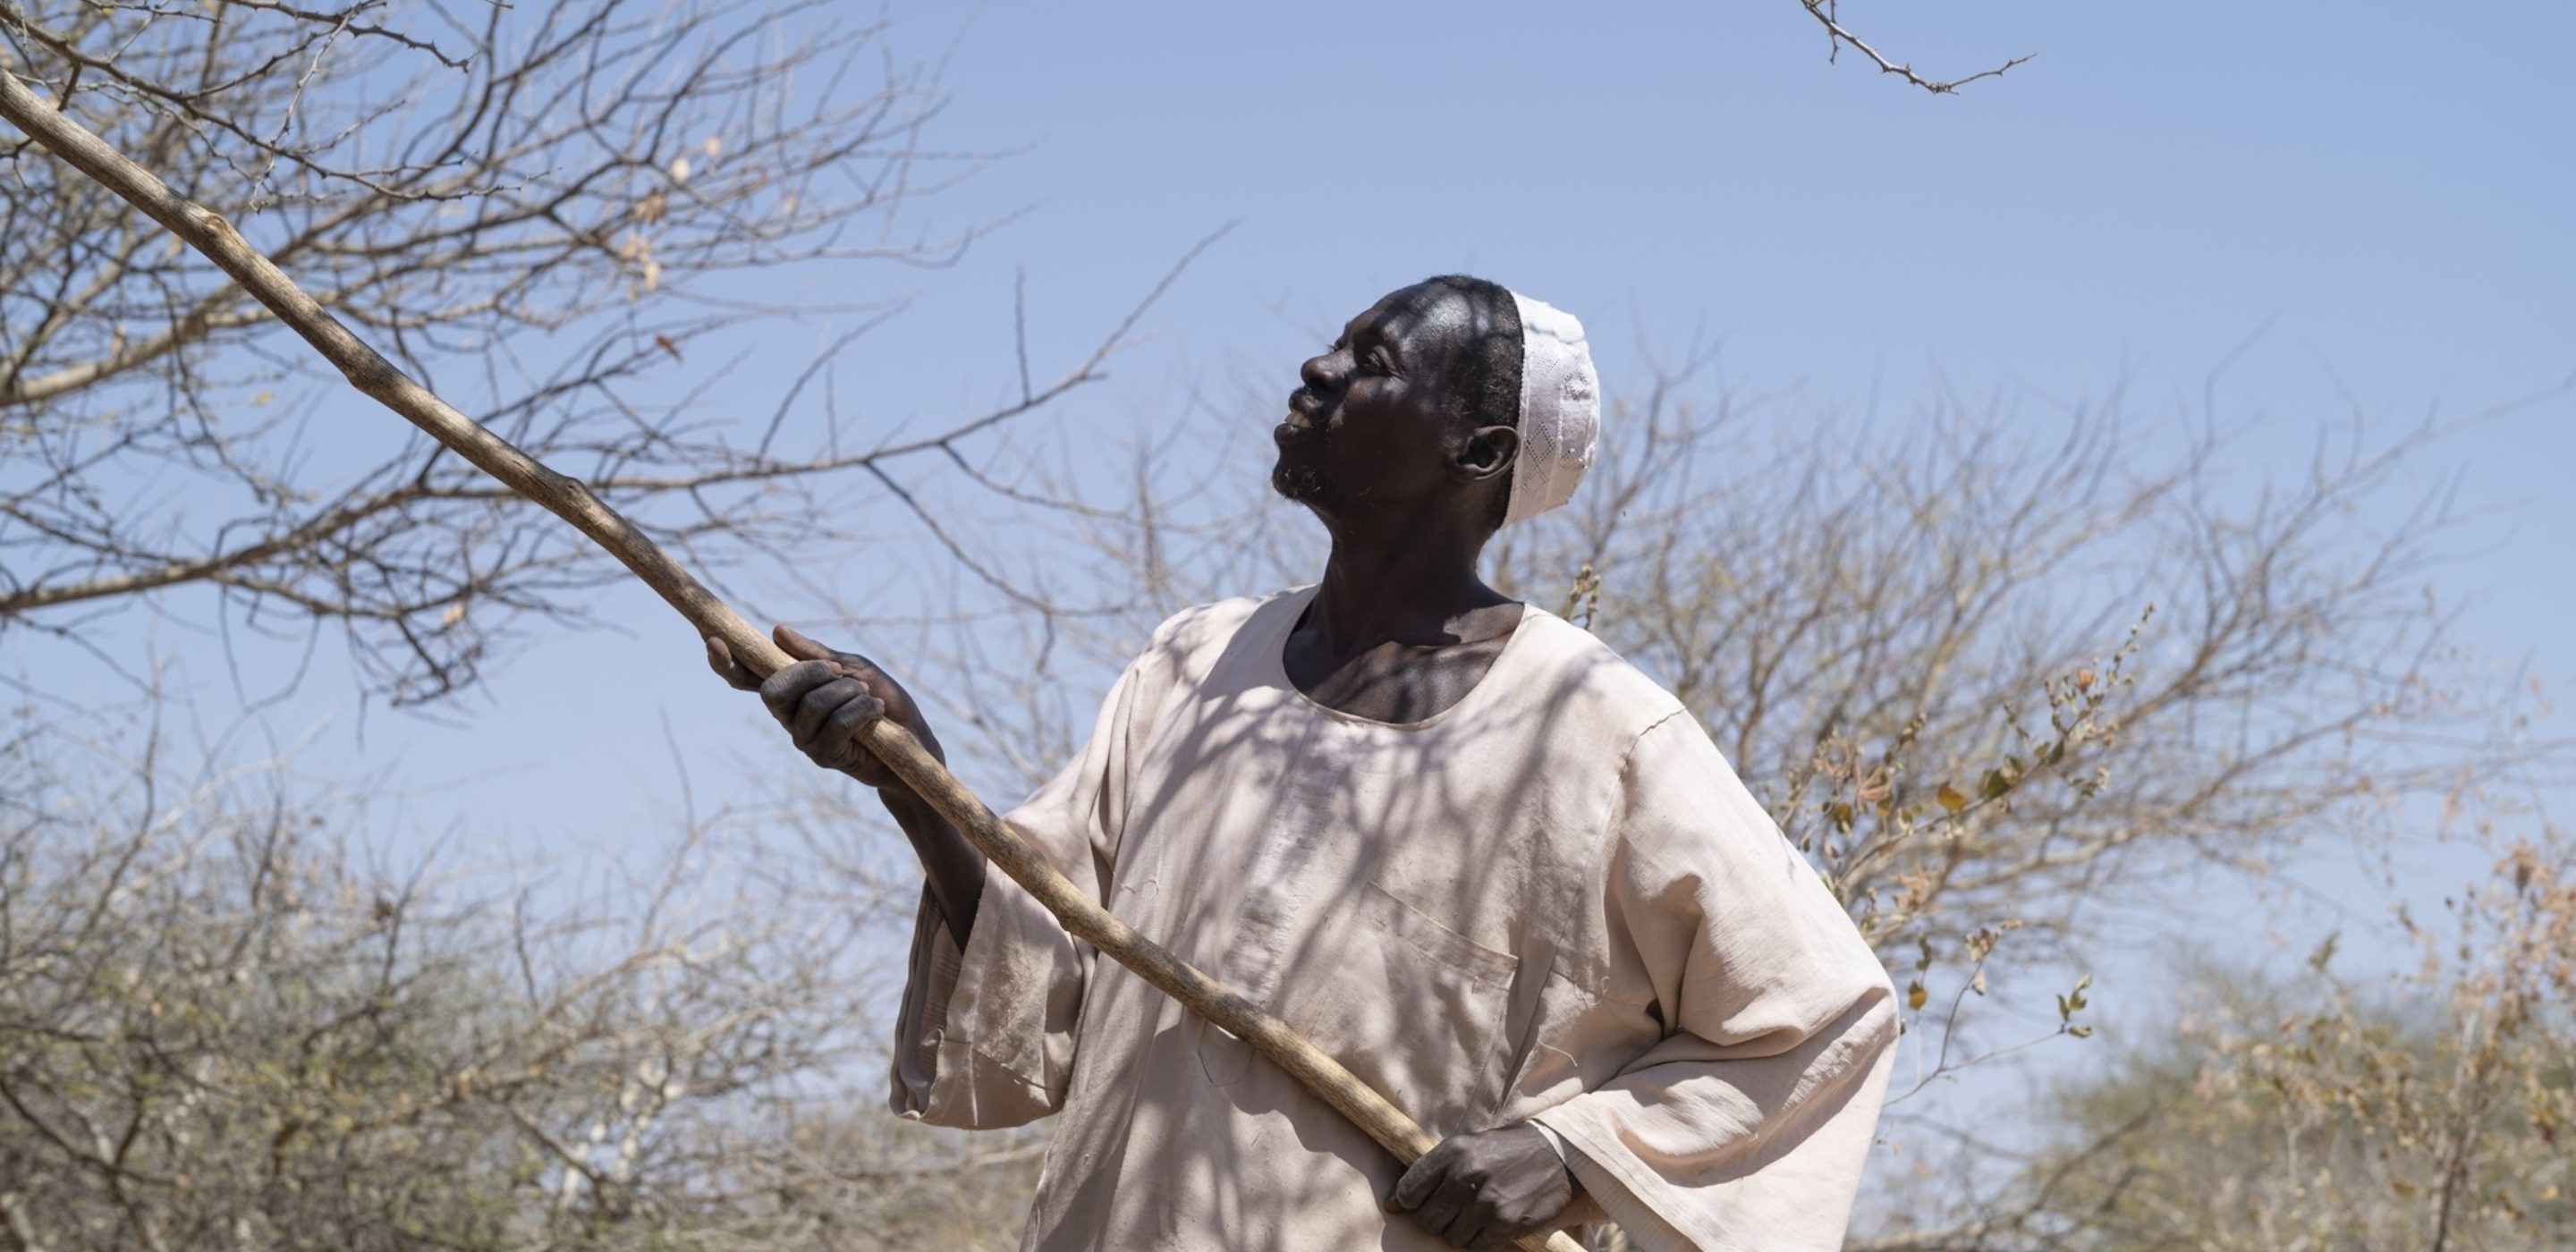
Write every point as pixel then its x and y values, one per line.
pixel 369 372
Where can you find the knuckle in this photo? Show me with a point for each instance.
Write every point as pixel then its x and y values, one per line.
pixel 790 683
pixel 825 698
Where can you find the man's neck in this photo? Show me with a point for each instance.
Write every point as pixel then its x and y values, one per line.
pixel 1419 593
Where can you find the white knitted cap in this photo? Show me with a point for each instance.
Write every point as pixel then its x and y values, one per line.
pixel 1560 410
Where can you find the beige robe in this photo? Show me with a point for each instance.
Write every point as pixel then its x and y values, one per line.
pixel 1552 901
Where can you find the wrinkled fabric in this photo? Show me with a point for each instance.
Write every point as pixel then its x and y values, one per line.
pixel 1560 417
pixel 1554 900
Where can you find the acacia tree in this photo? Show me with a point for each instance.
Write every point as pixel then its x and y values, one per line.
pixel 223 1025
pixel 544 213
pixel 2012 693
pixel 2422 1108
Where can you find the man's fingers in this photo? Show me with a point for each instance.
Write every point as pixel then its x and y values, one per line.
pixel 1446 1211
pixel 1469 1230
pixel 784 690
pixel 804 649
pixel 1420 1179
pixel 844 723
pixel 720 659
pixel 819 705
pixel 795 644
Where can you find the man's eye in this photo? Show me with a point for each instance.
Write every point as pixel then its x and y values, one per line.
pixel 1374 361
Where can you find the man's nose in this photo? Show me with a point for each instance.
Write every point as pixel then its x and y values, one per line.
pixel 1320 374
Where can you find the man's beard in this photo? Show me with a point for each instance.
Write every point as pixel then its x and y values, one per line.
pixel 1299 475
pixel 1301 482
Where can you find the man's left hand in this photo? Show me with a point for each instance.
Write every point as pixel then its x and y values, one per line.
pixel 1482 1191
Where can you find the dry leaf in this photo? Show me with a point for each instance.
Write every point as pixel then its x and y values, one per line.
pixel 1874 789
pixel 1950 798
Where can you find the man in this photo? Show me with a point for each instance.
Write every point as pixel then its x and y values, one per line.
pixel 1455 841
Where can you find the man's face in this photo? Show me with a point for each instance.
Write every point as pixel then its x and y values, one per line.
pixel 1371 427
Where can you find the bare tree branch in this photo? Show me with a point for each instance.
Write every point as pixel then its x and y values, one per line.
pixel 552 213
pixel 1839 37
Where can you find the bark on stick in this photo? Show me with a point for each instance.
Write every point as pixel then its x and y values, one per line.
pixel 371 373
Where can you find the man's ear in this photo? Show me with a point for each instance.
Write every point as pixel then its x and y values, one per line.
pixel 1488 453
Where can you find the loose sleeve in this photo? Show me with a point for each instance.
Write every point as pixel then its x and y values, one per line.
pixel 1747 1124
pixel 985 1036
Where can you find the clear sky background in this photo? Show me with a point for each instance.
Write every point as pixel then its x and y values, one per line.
pixel 2374 196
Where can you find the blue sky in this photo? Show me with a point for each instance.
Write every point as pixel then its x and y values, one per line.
pixel 2373 196
pixel 2378 187
pixel 2370 198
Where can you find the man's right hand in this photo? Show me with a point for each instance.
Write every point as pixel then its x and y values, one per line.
pixel 823 698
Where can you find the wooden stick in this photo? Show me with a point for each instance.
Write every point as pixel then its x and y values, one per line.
pixel 370 372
